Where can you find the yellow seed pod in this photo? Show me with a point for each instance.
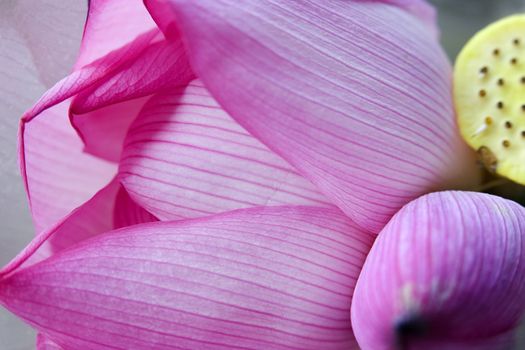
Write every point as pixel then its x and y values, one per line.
pixel 489 94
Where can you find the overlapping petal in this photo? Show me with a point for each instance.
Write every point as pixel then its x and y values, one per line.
pixel 125 71
pixel 447 272
pixel 108 209
pixel 162 65
pixel 185 157
pixel 102 114
pixel 272 278
pixel 58 175
pixel 355 95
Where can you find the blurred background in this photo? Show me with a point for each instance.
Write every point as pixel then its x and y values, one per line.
pixel 20 86
pixel 460 19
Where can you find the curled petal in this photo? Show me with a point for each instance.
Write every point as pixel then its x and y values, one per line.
pixel 102 114
pixel 162 65
pixel 448 271
pixel 357 102
pixel 261 278
pixel 185 157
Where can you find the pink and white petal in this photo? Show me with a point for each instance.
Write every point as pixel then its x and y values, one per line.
pixel 185 157
pixel 103 130
pixel 162 65
pixel 44 343
pixel 262 278
pixel 59 176
pixel 358 103
pixel 448 271
pixel 50 152
pixel 110 25
pixel 128 213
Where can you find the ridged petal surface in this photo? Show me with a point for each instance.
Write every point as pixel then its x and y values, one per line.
pixel 354 94
pixel 448 272
pixel 185 157
pixel 262 278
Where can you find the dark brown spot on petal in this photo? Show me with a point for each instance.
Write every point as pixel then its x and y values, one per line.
pixel 495 52
pixel 482 93
pixel 514 60
pixel 500 105
pixel 484 70
pixel 506 143
pixel 501 82
pixel 410 329
pixel 508 124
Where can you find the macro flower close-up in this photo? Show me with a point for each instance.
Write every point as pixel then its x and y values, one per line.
pixel 274 174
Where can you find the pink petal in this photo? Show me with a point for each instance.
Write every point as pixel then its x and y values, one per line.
pixel 448 271
pixel 110 25
pixel 355 95
pixel 262 278
pixel 185 157
pixel 44 343
pixel 59 176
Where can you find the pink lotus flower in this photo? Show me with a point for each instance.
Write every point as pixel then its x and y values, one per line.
pixel 213 174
